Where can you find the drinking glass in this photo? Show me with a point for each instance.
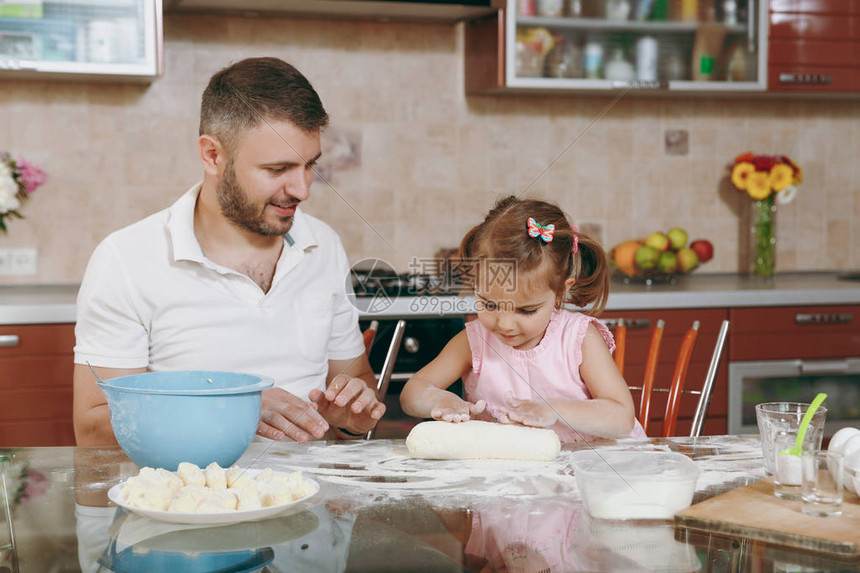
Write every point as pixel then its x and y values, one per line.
pixel 773 417
pixel 821 489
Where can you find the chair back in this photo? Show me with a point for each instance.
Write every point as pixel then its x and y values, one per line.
pixel 676 385
pixel 710 379
pixel 388 366
pixel 620 344
pixel 369 335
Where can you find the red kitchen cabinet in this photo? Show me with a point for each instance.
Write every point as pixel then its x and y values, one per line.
pixel 36 364
pixel 794 332
pixel 678 321
pixel 814 46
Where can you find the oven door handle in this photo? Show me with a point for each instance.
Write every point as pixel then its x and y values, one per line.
pixel 823 366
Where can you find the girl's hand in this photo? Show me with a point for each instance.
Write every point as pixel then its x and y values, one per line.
pixel 528 412
pixel 452 409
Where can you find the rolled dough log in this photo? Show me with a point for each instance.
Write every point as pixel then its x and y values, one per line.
pixel 481 440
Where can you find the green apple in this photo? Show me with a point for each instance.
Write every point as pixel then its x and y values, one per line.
pixel 677 238
pixel 668 263
pixel 657 241
pixel 646 258
pixel 687 259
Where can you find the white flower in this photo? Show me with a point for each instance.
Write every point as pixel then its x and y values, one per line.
pixel 8 190
pixel 787 195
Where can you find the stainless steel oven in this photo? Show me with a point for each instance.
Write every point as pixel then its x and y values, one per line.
pixel 754 382
pixel 423 339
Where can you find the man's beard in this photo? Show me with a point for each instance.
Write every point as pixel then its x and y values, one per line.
pixel 236 207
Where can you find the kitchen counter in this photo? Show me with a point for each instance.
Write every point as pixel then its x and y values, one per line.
pixel 379 510
pixel 43 304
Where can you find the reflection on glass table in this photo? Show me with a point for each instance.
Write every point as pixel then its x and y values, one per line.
pixel 379 510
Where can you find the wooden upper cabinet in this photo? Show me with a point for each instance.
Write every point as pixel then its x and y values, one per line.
pixel 485 54
pixel 814 46
pixel 36 365
pixel 816 6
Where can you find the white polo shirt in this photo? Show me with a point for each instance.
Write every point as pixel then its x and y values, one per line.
pixel 150 298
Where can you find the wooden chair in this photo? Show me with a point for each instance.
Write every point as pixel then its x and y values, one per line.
pixel 369 335
pixel 677 382
pixel 384 377
pixel 620 344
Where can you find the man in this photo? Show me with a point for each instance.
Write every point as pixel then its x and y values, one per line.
pixel 234 276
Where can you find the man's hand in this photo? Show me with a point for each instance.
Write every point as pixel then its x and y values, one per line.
pixel 285 415
pixel 348 403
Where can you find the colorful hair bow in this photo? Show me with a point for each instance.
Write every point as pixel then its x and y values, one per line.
pixel 575 238
pixel 535 229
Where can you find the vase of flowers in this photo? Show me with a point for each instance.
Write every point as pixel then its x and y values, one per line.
pixel 769 180
pixel 18 180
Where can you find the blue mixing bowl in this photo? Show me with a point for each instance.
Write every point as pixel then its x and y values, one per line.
pixel 130 561
pixel 163 418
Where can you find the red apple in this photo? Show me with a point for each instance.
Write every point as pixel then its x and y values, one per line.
pixel 704 249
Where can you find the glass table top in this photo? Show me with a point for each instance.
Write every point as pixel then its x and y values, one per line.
pixel 380 510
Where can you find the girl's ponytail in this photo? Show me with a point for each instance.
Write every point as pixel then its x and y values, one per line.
pixel 591 275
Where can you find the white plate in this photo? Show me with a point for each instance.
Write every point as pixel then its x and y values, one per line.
pixel 222 518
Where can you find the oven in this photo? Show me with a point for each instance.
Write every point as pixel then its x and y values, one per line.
pixel 423 339
pixel 754 382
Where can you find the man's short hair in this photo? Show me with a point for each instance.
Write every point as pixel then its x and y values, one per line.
pixel 243 95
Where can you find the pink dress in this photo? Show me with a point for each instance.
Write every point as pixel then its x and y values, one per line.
pixel 549 370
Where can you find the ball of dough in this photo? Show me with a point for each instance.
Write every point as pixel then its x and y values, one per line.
pixel 481 440
pixel 237 477
pixel 185 502
pixel 216 478
pixel 249 496
pixel 191 474
pixel 149 497
pixel 174 483
pixel 265 475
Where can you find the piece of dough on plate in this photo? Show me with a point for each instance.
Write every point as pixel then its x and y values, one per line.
pixel 190 474
pixel 481 440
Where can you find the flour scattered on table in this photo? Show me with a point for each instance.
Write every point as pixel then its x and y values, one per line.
pixel 383 469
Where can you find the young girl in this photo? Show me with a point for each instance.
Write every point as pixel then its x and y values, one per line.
pixel 527 360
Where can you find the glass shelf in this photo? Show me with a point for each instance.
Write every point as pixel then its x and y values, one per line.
pixel 641 51
pixel 588 24
pixel 95 39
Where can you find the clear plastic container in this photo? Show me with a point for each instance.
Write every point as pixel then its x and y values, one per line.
pixel 633 484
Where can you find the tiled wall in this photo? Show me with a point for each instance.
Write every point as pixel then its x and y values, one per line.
pixel 414 162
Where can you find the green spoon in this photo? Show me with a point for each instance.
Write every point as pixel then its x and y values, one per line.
pixel 804 424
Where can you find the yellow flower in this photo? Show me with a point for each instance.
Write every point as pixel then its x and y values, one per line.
pixel 741 173
pixel 780 176
pixel 758 185
pixel 798 177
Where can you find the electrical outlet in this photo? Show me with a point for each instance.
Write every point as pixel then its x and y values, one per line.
pixel 23 261
pixel 5 263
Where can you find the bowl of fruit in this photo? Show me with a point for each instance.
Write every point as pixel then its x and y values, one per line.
pixel 660 257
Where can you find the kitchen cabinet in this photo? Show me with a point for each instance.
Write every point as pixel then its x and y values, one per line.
pixel 791 354
pixel 773 333
pixel 430 11
pixel 640 324
pixel 81 39
pixel 36 364
pixel 814 46
pixel 695 46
